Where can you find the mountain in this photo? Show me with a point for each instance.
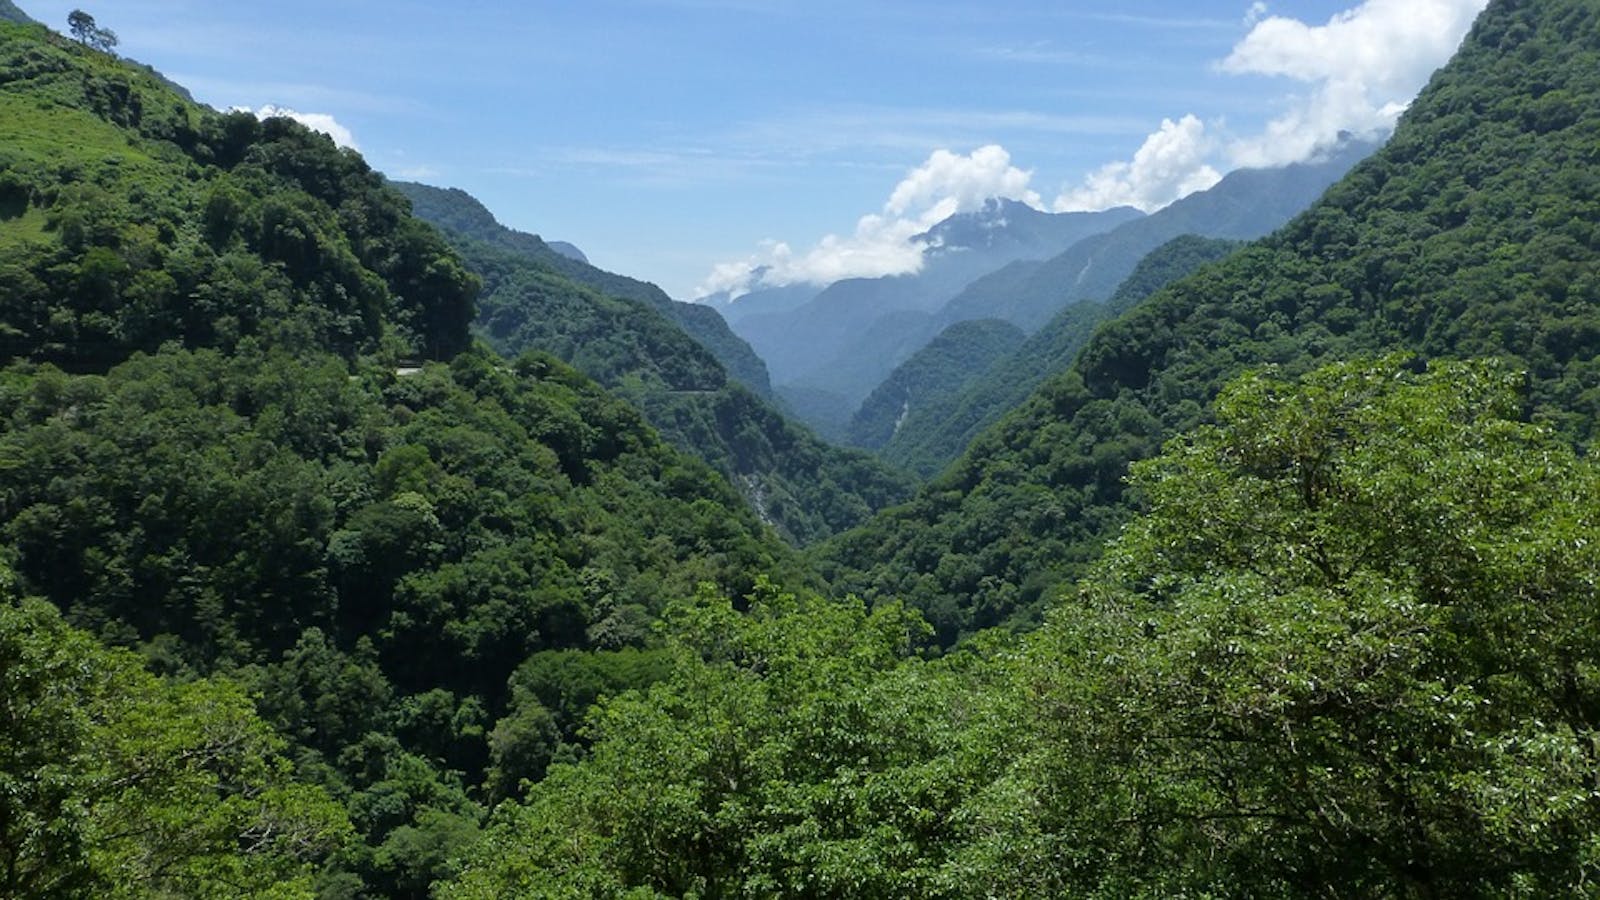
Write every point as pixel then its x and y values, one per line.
pixel 938 370
pixel 833 341
pixel 1245 204
pixel 939 424
pixel 10 13
pixel 761 300
pixel 245 434
pixel 1469 234
pixel 457 211
pixel 533 300
pixel 568 250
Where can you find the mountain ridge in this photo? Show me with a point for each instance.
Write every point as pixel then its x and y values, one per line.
pixel 829 341
pixel 246 436
pixel 796 483
pixel 1467 234
pixel 935 431
pixel 455 209
pixel 1245 204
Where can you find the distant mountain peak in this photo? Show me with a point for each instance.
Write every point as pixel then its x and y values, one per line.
pixel 10 13
pixel 567 250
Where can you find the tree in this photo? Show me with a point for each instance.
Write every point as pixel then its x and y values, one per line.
pixel 116 784
pixel 1351 648
pixel 86 32
pixel 798 743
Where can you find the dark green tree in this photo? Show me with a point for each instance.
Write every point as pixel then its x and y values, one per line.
pixel 116 784
pixel 85 31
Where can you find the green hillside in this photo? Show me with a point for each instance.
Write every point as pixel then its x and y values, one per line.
pixel 940 425
pixel 307 591
pixel 457 212
pixel 1470 234
pixel 243 433
pixel 956 356
pixel 1347 652
pixel 1344 645
pixel 532 300
pixel 132 217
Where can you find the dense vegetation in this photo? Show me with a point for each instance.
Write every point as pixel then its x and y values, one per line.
pixel 956 356
pixel 133 217
pixel 218 447
pixel 808 490
pixel 1471 233
pixel 940 424
pixel 114 783
pixel 1348 651
pixel 317 597
pixel 461 216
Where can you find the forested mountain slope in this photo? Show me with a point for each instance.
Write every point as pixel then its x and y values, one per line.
pixel 953 358
pixel 1346 652
pixel 1346 648
pixel 1471 233
pixel 243 432
pixel 457 212
pixel 133 217
pixel 805 488
pixel 940 424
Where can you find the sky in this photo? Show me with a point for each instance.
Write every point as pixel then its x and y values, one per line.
pixel 694 142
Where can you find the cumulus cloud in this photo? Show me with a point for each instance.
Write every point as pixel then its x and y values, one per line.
pixel 883 242
pixel 1363 67
pixel 322 122
pixel 1170 165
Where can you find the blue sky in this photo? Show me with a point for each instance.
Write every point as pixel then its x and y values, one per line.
pixel 671 139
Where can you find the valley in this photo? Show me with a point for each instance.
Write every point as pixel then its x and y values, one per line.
pixel 355 544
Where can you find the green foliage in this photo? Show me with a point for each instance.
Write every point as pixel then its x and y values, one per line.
pixel 526 306
pixel 132 216
pixel 1470 234
pixel 374 554
pixel 240 469
pixel 1350 649
pixel 795 749
pixel 550 695
pixel 465 219
pixel 116 784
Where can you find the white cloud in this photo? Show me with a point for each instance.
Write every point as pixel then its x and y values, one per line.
pixel 1170 165
pixel 947 184
pixel 322 122
pixel 1365 66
